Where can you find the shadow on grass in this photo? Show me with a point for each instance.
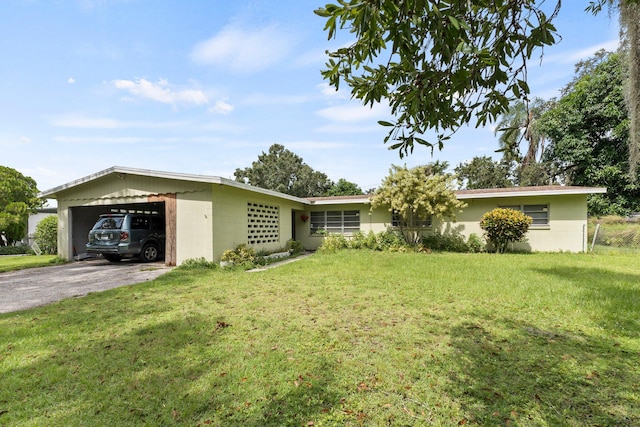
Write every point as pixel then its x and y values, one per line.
pixel 166 372
pixel 613 295
pixel 539 377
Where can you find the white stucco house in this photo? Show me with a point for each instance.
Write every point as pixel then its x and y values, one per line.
pixel 206 215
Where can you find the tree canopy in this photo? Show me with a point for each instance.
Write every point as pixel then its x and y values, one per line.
pixel 438 64
pixel 415 195
pixel 344 188
pixel 588 129
pixel 18 198
pixel 282 170
pixel 483 172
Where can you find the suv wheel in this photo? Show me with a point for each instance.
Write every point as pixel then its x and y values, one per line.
pixel 149 253
pixel 112 258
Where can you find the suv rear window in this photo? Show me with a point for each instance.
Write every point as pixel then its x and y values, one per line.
pixel 109 223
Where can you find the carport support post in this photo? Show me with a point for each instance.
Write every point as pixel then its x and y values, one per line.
pixel 170 210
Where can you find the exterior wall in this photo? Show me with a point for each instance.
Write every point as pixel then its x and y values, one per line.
pixel 375 221
pixel 567 229
pixel 194 226
pixel 230 222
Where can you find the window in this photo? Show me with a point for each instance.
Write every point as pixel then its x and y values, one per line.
pixel 395 221
pixel 263 223
pixel 335 221
pixel 539 213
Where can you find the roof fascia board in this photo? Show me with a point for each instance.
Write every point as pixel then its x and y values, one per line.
pixel 562 191
pixel 363 200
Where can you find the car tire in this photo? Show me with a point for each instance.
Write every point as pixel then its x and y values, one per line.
pixel 149 253
pixel 112 258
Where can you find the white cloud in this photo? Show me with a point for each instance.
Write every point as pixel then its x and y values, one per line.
pixel 25 140
pixel 245 51
pixel 331 92
pixel 83 122
pixel 353 112
pixel 161 92
pixel 270 99
pixel 314 145
pixel 71 80
pixel 344 128
pixel 94 140
pixel 573 56
pixel 222 107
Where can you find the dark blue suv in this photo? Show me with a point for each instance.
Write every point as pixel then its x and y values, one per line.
pixel 116 236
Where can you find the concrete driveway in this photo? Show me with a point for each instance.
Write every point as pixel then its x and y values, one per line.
pixel 34 287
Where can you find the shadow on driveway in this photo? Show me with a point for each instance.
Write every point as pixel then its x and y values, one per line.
pixel 33 287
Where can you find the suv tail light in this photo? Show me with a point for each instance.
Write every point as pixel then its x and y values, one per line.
pixel 124 235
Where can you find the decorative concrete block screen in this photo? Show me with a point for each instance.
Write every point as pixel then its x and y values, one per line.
pixel 263 223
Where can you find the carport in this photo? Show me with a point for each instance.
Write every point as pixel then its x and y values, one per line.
pixel 82 218
pixel 81 202
pixel 204 215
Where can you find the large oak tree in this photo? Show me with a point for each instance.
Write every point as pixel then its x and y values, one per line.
pixel 284 171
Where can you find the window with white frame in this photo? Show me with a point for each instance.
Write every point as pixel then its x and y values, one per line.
pixel 539 213
pixel 342 222
pixel 263 223
pixel 396 221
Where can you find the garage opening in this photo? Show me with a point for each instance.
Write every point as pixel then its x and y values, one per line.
pixel 82 219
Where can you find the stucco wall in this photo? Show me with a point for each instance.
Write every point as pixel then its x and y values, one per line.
pixel 194 226
pixel 230 218
pixel 566 230
pixel 376 221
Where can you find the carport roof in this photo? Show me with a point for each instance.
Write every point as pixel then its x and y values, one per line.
pixel 120 170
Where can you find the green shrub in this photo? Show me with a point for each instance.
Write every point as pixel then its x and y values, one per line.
pixel 503 226
pixel 15 250
pixel 449 242
pixel 295 247
pixel 475 243
pixel 390 239
pixel 334 242
pixel 360 240
pixel 242 255
pixel 198 264
pixel 46 235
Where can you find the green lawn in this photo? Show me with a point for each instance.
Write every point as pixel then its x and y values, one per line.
pixel 16 262
pixel 351 338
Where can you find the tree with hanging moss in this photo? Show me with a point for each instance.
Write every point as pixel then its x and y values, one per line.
pixel 416 195
pixel 629 11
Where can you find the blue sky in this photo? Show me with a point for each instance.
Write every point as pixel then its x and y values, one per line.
pixel 205 86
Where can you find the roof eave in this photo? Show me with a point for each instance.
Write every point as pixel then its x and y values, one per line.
pixel 561 191
pixel 52 193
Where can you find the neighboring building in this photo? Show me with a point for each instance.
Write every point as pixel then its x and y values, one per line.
pixel 34 220
pixel 206 215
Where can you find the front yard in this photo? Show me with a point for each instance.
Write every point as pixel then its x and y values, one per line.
pixel 350 338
